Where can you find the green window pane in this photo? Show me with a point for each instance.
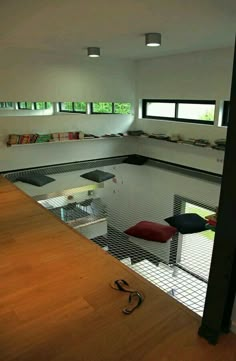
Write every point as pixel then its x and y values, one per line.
pixel 67 106
pixel 196 111
pixel 102 108
pixel 48 105
pixel 42 105
pixel 160 109
pixel 29 105
pixel 80 107
pixel 6 105
pixel 25 105
pixel 122 108
pixel 21 105
pixel 9 105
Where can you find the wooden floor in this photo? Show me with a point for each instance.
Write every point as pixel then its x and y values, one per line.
pixel 56 303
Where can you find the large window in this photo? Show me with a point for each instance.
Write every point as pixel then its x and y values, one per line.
pixel 73 107
pixel 190 111
pixel 111 108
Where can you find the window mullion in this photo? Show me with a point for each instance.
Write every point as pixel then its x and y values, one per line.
pixel 176 110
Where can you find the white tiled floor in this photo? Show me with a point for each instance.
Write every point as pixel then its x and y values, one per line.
pixel 186 288
pixel 196 254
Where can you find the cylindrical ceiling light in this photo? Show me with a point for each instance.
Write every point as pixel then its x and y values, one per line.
pixel 153 39
pixel 93 52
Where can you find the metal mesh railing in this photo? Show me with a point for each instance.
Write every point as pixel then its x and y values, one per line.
pixel 151 192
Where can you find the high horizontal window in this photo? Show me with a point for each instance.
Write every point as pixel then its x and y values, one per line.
pixel 122 108
pixel 6 105
pixel 73 107
pixel 111 108
pixel 47 108
pixel 42 105
pixel 34 105
pixel 102 108
pixel 25 105
pixel 190 111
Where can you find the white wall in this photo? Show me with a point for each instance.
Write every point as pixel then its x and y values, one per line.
pixel 207 159
pixel 28 156
pixel 199 75
pixel 46 77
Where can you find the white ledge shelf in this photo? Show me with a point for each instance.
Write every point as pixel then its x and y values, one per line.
pixel 162 141
pixel 68 141
pixel 167 142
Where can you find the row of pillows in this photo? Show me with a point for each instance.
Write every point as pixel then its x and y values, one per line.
pixel 184 223
pixel 96 175
pixel 40 180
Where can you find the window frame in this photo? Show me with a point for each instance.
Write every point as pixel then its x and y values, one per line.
pixel 113 108
pixel 176 118
pixel 122 103
pixel 225 115
pixel 12 107
pixel 27 109
pixel 176 246
pixel 34 106
pixel 73 111
pixel 45 104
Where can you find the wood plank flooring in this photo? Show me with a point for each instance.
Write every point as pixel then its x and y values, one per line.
pixel 56 303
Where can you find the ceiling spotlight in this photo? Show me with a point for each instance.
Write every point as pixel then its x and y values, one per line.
pixel 93 52
pixel 153 39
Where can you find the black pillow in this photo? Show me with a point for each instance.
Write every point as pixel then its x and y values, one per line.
pixel 135 159
pixel 187 223
pixel 38 180
pixel 98 176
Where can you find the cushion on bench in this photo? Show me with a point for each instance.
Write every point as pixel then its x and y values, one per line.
pixel 152 231
pixel 38 180
pixel 135 159
pixel 187 223
pixel 98 176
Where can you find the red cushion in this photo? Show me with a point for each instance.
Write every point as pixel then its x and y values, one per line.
pixel 151 231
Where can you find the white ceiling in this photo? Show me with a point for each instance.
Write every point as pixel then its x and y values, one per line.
pixel 117 26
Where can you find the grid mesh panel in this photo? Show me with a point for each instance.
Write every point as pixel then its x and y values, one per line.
pixel 151 192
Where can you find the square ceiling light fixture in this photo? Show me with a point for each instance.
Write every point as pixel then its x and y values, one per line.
pixel 93 52
pixel 153 39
